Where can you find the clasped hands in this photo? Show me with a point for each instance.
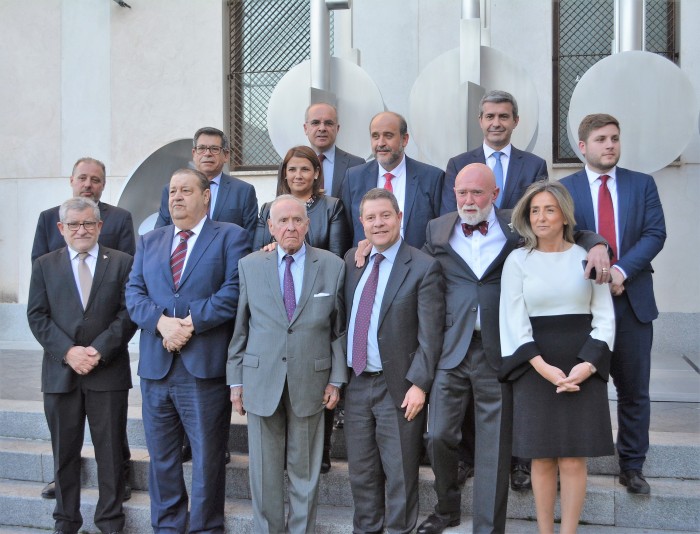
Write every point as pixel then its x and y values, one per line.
pixel 176 332
pixel 564 383
pixel 82 359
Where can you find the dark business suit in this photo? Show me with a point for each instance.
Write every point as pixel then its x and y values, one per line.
pixel 58 321
pixel 642 233
pixel 524 168
pixel 468 368
pixel 235 203
pixel 343 161
pixel 208 290
pixel 382 444
pixel 421 204
pixel 117 231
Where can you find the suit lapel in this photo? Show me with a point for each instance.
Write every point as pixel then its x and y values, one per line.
pixel 512 239
pixel 100 269
pixel 65 272
pixel 224 188
pixel 443 237
pixel 411 188
pixel 624 201
pixel 583 199
pixel 273 280
pixel 339 168
pixel 397 275
pixel 515 166
pixel 209 232
pixel 310 272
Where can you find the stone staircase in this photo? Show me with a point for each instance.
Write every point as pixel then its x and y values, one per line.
pixel 26 464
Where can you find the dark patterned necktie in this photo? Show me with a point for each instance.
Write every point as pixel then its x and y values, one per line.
pixel 468 229
pixel 290 301
pixel 362 318
pixel 177 260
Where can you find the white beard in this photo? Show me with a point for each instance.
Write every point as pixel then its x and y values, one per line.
pixel 475 218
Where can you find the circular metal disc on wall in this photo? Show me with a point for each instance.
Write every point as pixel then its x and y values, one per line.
pixel 357 99
pixel 435 103
pixel 144 186
pixel 652 99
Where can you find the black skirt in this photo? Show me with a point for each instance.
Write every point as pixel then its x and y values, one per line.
pixel 547 424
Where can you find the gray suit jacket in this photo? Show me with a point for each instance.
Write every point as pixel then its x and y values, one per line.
pixel 268 350
pixel 411 319
pixel 343 161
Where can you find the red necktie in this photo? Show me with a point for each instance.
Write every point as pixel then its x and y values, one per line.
pixel 387 182
pixel 362 318
pixel 468 229
pixel 177 260
pixel 606 216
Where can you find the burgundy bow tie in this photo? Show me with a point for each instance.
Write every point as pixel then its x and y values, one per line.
pixel 468 229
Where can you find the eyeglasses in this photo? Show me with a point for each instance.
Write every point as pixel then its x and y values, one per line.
pixel 214 149
pixel 316 123
pixel 88 225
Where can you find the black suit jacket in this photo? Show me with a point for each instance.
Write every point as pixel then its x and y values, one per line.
pixel 343 161
pixel 58 321
pixel 411 318
pixel 421 204
pixel 235 203
pixel 524 168
pixel 117 231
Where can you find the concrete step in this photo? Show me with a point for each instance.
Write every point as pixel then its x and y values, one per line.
pixel 673 504
pixel 671 454
pixel 23 511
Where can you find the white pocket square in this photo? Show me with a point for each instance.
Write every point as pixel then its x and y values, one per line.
pixel 322 295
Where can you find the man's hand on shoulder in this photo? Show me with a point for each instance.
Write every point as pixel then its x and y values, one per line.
pixel 364 247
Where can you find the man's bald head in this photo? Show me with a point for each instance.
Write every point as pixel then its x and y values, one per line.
pixel 475 191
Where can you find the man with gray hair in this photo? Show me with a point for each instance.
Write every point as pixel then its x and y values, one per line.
pixel 286 362
pixel 77 312
pixel 514 170
pixel 88 180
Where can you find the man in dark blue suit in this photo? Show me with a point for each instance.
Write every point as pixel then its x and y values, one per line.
pixel 624 207
pixel 183 294
pixel 416 186
pixel 498 117
pixel 232 200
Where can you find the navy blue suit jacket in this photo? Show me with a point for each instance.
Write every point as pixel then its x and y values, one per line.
pixel 422 202
pixel 235 203
pixel 641 227
pixel 524 168
pixel 343 161
pixel 208 291
pixel 117 231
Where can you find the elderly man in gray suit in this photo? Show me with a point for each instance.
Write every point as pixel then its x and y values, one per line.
pixel 286 363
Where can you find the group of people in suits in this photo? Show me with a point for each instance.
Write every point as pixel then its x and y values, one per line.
pixel 385 276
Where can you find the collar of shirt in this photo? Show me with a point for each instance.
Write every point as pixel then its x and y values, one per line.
pixel 329 155
pixel 488 151
pixel 299 256
pixel 216 180
pixel 593 176
pixel 389 254
pixel 92 253
pixel 399 171
pixel 195 231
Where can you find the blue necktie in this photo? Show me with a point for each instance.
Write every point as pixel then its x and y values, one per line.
pixel 498 173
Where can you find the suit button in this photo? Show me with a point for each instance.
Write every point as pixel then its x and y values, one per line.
pixel 177 295
pixel 481 283
pixel 473 309
pixel 290 331
pixel 284 358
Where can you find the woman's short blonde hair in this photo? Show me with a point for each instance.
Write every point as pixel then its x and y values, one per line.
pixel 521 212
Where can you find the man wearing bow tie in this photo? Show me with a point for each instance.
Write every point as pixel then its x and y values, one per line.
pixel 472 244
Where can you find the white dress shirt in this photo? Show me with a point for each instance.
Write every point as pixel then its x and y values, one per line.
pixel 190 242
pixel 296 268
pixel 398 184
pixel 90 261
pixel 505 159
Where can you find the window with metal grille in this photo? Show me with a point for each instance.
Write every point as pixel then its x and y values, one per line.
pixel 267 39
pixel 583 35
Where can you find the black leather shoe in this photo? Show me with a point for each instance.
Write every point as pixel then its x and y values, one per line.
pixel 436 524
pixel 186 453
pixel 520 478
pixel 464 471
pixel 635 482
pixel 326 461
pixel 49 491
pixel 227 457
